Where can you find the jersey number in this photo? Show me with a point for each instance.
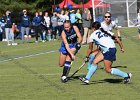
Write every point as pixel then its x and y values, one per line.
pixel 99 35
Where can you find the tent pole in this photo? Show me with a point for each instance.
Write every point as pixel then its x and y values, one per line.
pixel 93 9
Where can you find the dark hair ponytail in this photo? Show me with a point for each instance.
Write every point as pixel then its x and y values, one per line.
pixel 96 25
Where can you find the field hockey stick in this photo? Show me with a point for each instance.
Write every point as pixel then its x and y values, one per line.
pixel 77 70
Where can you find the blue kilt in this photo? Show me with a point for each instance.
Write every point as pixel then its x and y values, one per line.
pixel 63 48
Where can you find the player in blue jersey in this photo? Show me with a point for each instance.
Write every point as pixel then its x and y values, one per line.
pixel 106 44
pixel 71 43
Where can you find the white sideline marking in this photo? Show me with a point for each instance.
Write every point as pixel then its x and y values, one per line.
pixel 32 55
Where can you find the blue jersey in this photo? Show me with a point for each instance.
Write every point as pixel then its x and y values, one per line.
pixel 71 36
pixel 25 21
pixel 71 39
pixel 8 21
pixel 73 18
pixel 37 20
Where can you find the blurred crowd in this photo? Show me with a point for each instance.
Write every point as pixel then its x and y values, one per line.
pixel 44 26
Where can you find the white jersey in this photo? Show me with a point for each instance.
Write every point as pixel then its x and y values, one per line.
pixel 138 20
pixel 102 40
pixel 108 27
pixel 47 21
pixel 61 20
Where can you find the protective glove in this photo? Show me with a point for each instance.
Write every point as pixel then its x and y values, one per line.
pixel 78 46
pixel 86 59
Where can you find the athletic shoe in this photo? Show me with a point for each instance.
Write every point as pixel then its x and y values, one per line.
pixel 84 80
pixel 43 41
pixel 9 44
pixel 64 79
pixel 36 41
pixel 14 44
pixel 127 79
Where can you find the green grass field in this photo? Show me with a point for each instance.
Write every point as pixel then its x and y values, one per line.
pixel 31 72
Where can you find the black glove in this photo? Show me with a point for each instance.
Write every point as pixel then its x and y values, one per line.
pixel 86 59
pixel 78 46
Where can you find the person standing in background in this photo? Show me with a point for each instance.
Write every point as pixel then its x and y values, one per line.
pixel 79 22
pixel 25 25
pixel 61 19
pixel 86 17
pixel 37 25
pixel 2 20
pixel 47 24
pixel 54 21
pixel 8 29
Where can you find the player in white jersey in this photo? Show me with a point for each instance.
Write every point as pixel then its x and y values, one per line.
pixel 107 25
pixel 138 24
pixel 106 44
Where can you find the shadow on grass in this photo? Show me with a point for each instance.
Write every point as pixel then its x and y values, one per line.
pixel 114 81
pixel 100 67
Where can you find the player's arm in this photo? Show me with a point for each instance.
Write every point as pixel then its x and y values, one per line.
pixel 63 35
pixel 118 31
pixel 120 43
pixel 78 34
pixel 89 51
pixel 90 48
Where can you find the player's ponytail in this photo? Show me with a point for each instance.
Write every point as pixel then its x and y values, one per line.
pixel 102 30
pixel 96 25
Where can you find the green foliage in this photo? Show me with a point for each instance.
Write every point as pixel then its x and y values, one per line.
pixel 19 5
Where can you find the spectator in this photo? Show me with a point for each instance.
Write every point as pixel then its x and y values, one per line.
pixel 47 24
pixel 86 17
pixel 8 29
pixel 1 31
pixel 67 15
pixel 73 17
pixel 54 21
pixel 42 27
pixel 37 26
pixel 61 19
pixel 2 20
pixel 25 25
pixel 79 22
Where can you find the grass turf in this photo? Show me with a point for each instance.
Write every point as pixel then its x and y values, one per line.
pixel 31 72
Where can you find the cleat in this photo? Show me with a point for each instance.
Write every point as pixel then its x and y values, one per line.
pixel 64 79
pixel 127 79
pixel 84 80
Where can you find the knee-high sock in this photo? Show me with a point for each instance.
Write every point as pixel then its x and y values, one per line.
pixel 115 71
pixel 92 56
pixel 66 68
pixel 91 71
